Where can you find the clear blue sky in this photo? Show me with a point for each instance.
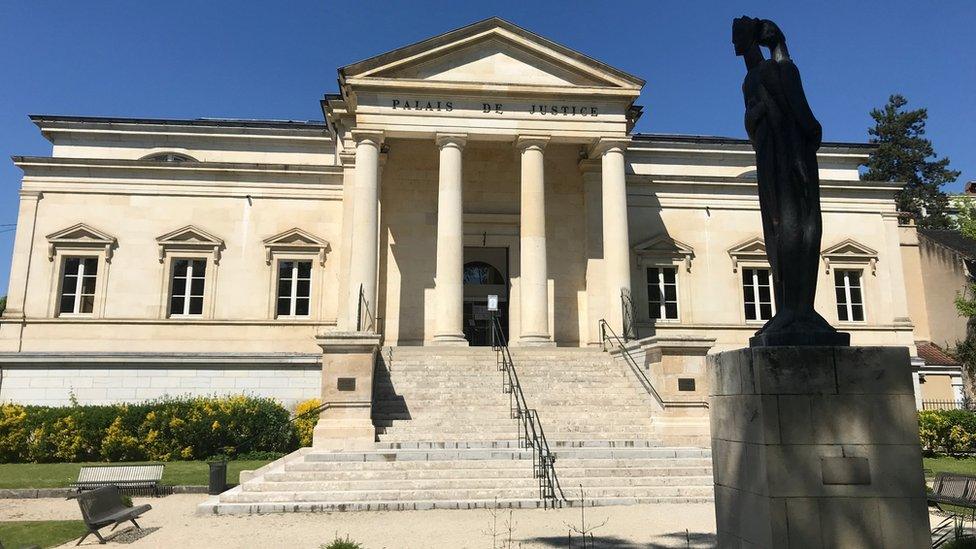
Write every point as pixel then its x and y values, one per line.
pixel 188 59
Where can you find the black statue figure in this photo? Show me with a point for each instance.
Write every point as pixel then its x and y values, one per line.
pixel 785 136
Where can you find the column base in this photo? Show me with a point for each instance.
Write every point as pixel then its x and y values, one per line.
pixel 449 340
pixel 344 434
pixel 535 340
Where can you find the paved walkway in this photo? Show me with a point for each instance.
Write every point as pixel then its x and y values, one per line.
pixel 172 523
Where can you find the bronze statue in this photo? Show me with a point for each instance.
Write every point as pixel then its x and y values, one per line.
pixel 785 136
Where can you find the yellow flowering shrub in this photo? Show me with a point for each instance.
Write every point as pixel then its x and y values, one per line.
pixel 13 433
pixel 305 421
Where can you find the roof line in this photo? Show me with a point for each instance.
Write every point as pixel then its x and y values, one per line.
pixel 477 26
pixel 211 122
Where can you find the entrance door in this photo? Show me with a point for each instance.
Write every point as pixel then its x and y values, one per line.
pixel 485 273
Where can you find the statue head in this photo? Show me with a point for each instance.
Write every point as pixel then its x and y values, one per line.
pixel 769 35
pixel 745 33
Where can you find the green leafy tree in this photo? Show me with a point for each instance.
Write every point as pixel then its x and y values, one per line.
pixel 965 223
pixel 906 156
pixel 3 304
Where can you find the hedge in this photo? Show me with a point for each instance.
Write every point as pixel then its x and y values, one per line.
pixel 951 432
pixel 168 429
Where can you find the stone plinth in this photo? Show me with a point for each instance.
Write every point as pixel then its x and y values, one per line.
pixel 347 391
pixel 816 447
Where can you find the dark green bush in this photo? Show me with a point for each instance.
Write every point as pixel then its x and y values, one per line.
pixel 159 430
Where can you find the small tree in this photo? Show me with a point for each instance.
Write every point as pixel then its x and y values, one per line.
pixel 904 155
pixel 3 304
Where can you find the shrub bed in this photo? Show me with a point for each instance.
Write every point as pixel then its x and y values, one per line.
pixel 951 432
pixel 167 429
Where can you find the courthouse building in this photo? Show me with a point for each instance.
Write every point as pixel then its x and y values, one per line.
pixel 210 256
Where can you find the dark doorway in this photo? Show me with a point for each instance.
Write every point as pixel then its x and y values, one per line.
pixel 485 274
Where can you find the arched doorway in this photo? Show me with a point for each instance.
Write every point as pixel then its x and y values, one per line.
pixel 485 274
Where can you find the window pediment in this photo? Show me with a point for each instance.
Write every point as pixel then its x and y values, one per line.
pixel 295 240
pixel 753 249
pixel 850 251
pixel 80 237
pixel 664 247
pixel 192 239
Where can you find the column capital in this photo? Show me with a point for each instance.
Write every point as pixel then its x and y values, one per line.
pixel 605 144
pixel 30 195
pixel 372 136
pixel 447 139
pixel 524 142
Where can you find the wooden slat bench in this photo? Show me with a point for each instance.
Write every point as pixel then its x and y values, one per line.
pixel 955 490
pixel 122 476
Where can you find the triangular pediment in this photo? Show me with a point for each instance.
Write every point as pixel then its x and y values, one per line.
pixel 492 52
pixel 296 237
pixel 190 235
pixel 81 233
pixel 753 246
pixel 663 245
pixel 849 248
pixel 295 240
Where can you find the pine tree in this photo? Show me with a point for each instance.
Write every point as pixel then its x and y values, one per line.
pixel 906 156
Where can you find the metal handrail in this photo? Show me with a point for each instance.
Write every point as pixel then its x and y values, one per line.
pixel 530 433
pixel 362 310
pixel 628 313
pixel 607 334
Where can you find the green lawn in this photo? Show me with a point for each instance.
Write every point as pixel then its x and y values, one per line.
pixel 943 464
pixel 45 533
pixel 59 475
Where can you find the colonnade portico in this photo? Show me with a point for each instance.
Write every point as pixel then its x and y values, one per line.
pixel 533 295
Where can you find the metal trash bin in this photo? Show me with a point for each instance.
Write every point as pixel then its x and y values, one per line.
pixel 218 477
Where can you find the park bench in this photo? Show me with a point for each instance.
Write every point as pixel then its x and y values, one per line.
pixel 958 491
pixel 103 506
pixel 121 476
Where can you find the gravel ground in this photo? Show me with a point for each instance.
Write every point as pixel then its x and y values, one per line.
pixel 172 523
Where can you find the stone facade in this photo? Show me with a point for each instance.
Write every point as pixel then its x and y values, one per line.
pixel 484 138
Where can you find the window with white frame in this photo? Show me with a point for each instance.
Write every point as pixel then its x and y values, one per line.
pixel 187 287
pixel 850 298
pixel 662 293
pixel 79 276
pixel 294 288
pixel 757 293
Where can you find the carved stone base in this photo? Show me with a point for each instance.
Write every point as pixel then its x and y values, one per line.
pixel 816 447
pixel 348 360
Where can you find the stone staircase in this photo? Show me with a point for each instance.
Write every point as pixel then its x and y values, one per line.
pixel 446 439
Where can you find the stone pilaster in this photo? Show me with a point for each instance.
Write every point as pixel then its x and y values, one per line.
pixel 816 447
pixel 450 243
pixel 348 359
pixel 23 254
pixel 533 276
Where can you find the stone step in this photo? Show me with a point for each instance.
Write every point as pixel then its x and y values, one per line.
pixel 564 464
pixel 427 444
pixel 595 492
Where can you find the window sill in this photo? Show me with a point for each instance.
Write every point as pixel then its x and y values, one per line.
pixel 76 315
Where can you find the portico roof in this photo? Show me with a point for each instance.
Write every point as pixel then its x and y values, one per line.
pixel 495 31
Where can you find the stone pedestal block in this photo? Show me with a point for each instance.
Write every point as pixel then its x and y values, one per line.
pixel 346 421
pixel 816 447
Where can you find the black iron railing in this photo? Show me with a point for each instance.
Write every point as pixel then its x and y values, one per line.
pixel 629 315
pixel 530 433
pixel 365 319
pixel 610 337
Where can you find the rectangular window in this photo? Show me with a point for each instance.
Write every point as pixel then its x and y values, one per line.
pixel 78 285
pixel 662 293
pixel 294 288
pixel 850 301
pixel 757 292
pixel 186 291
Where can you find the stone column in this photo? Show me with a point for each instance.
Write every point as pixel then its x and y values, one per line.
pixel 448 281
pixel 347 391
pixel 816 447
pixel 616 233
pixel 534 276
pixel 365 226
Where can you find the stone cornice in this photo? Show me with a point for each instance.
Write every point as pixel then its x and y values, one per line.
pixel 81 358
pixel 27 162
pixel 489 89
